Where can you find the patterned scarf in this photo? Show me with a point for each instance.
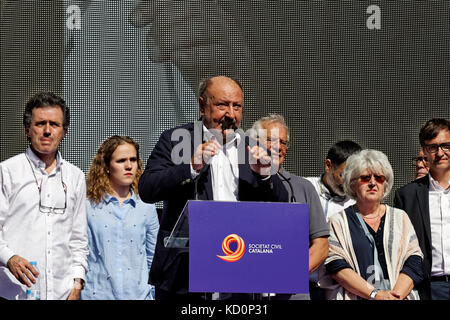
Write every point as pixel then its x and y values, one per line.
pixel 399 241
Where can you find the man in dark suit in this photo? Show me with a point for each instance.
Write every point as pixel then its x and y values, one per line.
pixel 427 202
pixel 208 160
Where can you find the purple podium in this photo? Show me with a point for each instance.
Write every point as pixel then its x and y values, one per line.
pixel 245 247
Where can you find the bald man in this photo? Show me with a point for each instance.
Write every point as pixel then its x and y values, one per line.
pixel 209 159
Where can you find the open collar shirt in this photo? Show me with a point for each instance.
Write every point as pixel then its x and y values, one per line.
pixel 56 241
pixel 224 169
pixel 439 205
pixel 331 205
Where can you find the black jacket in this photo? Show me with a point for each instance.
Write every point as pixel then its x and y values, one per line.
pixel 164 180
pixel 414 199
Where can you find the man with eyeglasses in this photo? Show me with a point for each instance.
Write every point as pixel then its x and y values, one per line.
pixel 427 203
pixel 273 132
pixel 43 209
pixel 421 165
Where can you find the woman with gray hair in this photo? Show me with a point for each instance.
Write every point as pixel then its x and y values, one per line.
pixel 374 252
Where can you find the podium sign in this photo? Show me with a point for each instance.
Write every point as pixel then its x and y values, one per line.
pixel 248 247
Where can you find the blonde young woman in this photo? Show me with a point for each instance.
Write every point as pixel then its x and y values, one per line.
pixel 374 252
pixel 121 228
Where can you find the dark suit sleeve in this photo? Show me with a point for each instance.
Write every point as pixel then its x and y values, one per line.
pixel 398 201
pixel 252 187
pixel 272 189
pixel 162 176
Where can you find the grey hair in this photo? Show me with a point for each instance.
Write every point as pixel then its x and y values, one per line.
pixel 257 128
pixel 372 160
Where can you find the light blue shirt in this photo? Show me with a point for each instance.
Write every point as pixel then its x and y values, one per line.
pixel 121 247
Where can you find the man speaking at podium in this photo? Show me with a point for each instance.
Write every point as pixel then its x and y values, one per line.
pixel 209 159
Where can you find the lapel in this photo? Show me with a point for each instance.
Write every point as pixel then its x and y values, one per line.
pixel 242 153
pixel 422 194
pixel 204 187
pixel 198 135
pixel 205 184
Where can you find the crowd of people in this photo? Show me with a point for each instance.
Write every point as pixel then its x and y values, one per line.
pixel 101 237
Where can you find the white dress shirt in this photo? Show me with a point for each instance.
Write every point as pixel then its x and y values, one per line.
pixel 224 169
pixel 58 242
pixel 331 205
pixel 439 204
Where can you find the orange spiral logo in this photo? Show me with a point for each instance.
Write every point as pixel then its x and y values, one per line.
pixel 232 256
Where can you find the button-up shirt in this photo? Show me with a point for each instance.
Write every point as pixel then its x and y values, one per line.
pixel 224 169
pixel 56 241
pixel 439 204
pixel 122 242
pixel 330 204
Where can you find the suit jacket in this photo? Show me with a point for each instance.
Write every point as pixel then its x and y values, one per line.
pixel 165 180
pixel 414 199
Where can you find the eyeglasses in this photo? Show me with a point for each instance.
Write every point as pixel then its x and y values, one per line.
pixel 283 143
pixel 433 148
pixel 421 159
pixel 46 209
pixel 368 177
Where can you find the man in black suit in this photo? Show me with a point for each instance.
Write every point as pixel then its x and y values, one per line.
pixel 208 160
pixel 427 202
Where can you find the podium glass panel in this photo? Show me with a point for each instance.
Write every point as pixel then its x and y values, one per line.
pixel 179 237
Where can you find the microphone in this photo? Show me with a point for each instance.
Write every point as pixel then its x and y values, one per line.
pixel 227 123
pixel 290 187
pixel 197 178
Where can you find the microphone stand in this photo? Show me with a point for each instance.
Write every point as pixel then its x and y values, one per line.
pixel 292 199
pixel 197 178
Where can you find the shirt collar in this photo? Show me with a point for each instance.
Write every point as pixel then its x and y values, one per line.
pixel 325 193
pixel 435 185
pixel 38 163
pixel 208 135
pixel 131 200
